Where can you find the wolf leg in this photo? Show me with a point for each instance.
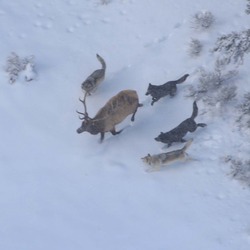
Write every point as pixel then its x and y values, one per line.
pixel 189 158
pixel 153 169
pixel 173 91
pixel 201 125
pixel 154 100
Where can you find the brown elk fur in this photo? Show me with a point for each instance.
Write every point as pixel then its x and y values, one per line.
pixel 112 113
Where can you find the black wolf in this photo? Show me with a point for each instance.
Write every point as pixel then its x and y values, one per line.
pixel 177 134
pixel 168 88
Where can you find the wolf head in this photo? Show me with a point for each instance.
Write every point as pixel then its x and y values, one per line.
pixel 149 89
pixel 161 137
pixel 147 159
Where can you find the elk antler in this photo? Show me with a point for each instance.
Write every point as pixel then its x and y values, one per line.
pixel 80 113
pixel 85 114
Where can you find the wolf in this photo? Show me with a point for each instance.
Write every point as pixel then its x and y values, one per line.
pixel 92 81
pixel 168 88
pixel 177 134
pixel 158 160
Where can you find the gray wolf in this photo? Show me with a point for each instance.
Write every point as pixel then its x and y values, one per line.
pixel 158 160
pixel 94 80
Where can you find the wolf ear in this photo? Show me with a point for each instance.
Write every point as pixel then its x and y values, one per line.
pixel 149 155
pixel 162 133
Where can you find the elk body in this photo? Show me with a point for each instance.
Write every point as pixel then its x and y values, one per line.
pixel 112 113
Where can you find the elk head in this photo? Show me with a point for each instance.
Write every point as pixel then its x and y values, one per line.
pixel 90 125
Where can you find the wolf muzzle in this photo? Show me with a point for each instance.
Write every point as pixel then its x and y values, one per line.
pixel 80 130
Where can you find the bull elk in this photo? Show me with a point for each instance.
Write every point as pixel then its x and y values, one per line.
pixel 112 113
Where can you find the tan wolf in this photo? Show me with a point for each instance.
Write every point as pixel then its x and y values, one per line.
pixel 92 81
pixel 158 160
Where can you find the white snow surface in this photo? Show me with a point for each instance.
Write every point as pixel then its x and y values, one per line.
pixel 61 190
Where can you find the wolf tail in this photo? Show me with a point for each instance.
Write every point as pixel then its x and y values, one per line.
pixel 187 145
pixel 182 79
pixel 101 60
pixel 195 110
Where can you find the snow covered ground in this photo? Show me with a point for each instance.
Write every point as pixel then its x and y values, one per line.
pixel 60 190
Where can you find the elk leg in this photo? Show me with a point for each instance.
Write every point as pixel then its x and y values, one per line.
pixel 133 116
pixel 114 132
pixel 102 136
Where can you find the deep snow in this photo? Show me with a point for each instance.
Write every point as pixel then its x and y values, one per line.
pixel 61 190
